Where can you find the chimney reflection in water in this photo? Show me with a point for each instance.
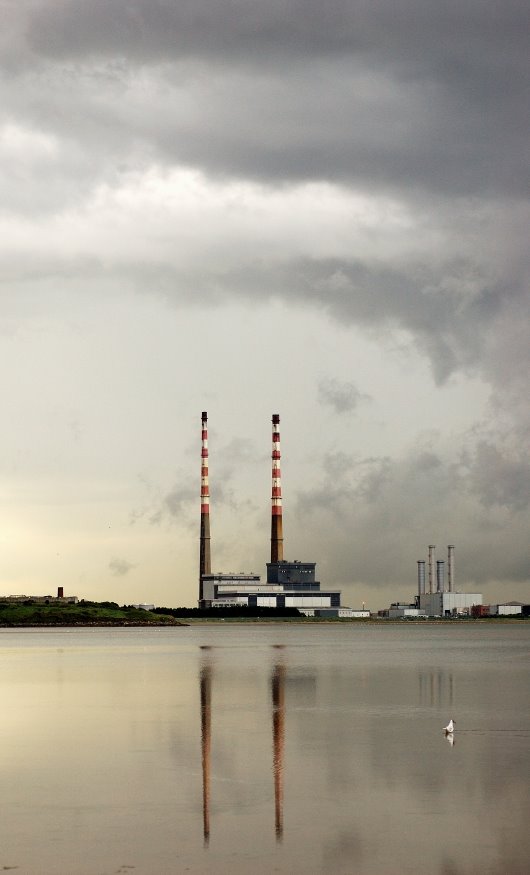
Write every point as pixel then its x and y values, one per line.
pixel 278 734
pixel 206 744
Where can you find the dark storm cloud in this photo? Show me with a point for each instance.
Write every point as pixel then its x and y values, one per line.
pixel 376 94
pixel 156 29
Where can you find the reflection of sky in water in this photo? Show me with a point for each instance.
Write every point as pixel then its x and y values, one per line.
pixel 212 749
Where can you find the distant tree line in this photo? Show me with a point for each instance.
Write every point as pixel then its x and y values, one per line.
pixel 235 611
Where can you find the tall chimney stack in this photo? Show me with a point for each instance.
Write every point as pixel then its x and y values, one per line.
pixel 421 577
pixel 440 576
pixel 432 548
pixel 276 509
pixel 205 563
pixel 450 567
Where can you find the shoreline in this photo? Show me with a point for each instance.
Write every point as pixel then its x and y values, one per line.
pixel 262 621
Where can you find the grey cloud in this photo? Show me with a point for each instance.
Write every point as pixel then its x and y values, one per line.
pixel 180 503
pixel 462 308
pixel 375 517
pixel 343 397
pixel 154 29
pixel 367 132
pixel 120 567
pixel 173 504
pixel 427 461
pixel 347 479
pixel 457 311
pixel 429 300
pixel 424 105
pixel 368 94
pixel 500 478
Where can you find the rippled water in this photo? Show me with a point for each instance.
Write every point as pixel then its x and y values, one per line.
pixel 264 749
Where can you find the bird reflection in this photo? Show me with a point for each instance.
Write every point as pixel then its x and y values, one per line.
pixel 278 734
pixel 206 744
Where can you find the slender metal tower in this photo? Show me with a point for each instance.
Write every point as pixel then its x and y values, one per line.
pixel 205 563
pixel 450 567
pixel 276 509
pixel 432 548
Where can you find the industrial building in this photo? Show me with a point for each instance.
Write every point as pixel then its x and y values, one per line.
pixel 60 598
pixel 508 609
pixel 449 604
pixel 398 610
pixel 442 599
pixel 437 597
pixel 289 584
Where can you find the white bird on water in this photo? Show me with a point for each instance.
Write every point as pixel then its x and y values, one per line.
pixel 449 729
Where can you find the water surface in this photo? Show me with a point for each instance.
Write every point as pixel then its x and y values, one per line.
pixel 264 749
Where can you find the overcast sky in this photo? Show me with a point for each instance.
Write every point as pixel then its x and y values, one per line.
pixel 253 207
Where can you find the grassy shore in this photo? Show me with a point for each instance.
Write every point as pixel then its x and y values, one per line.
pixel 19 614
pixel 14 614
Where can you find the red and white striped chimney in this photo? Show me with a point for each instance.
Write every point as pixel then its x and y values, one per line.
pixel 205 564
pixel 276 508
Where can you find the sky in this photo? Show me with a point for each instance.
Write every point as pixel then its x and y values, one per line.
pixel 312 209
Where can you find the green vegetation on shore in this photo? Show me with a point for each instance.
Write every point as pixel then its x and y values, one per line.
pixel 83 613
pixel 235 612
pixel 88 613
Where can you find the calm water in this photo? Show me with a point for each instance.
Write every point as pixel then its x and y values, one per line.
pixel 265 749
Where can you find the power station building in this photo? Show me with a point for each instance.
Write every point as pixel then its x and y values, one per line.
pixel 449 604
pixel 437 597
pixel 441 599
pixel 289 584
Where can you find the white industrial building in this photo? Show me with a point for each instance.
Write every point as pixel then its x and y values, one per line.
pixel 508 609
pixel 342 613
pixel 289 585
pixel 448 604
pixel 398 611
